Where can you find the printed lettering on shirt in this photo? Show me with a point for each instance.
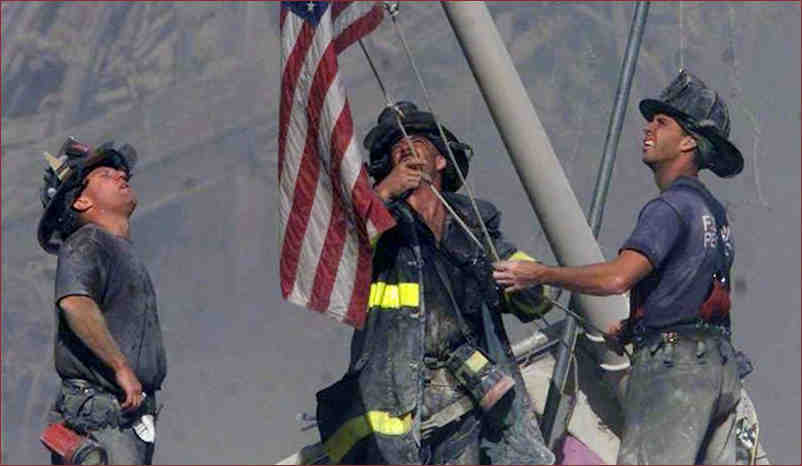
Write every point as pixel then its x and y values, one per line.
pixel 711 232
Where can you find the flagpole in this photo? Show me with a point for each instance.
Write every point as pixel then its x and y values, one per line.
pixel 533 157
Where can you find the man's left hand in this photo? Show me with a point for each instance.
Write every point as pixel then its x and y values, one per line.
pixel 518 275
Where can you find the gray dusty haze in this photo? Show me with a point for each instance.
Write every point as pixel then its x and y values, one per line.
pixel 194 87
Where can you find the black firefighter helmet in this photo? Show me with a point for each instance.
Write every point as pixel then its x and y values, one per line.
pixel 64 180
pixel 387 133
pixel 701 111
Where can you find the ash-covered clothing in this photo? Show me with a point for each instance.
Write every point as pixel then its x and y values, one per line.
pixel 396 378
pixel 679 407
pixel 91 411
pixel 106 268
pixel 680 403
pixel 685 235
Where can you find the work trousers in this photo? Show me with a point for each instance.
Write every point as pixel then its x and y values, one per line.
pixel 680 402
pixel 94 412
pixel 454 443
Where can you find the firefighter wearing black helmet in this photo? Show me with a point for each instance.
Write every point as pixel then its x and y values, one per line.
pixel 432 379
pixel 108 350
pixel 680 401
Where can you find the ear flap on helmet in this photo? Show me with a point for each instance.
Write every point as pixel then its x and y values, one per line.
pixel 379 166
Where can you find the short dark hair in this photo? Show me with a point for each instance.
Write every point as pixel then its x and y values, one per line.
pixel 703 148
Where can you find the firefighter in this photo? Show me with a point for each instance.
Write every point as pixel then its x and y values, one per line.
pixel 108 350
pixel 432 379
pixel 680 401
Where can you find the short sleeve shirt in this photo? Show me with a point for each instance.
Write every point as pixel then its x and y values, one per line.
pixel 106 268
pixel 679 233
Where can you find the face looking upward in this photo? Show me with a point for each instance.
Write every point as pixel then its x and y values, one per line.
pixel 664 140
pixel 106 189
pixel 425 156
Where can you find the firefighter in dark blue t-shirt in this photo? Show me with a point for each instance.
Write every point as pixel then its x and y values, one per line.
pixel 109 351
pixel 680 401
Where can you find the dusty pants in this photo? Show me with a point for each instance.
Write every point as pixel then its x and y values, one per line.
pixel 95 413
pixel 680 403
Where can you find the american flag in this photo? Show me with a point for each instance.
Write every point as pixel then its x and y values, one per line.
pixel 329 213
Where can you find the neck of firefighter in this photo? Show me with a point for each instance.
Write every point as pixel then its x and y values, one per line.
pixel 669 151
pixel 114 223
pixel 666 173
pixel 427 205
pixel 114 218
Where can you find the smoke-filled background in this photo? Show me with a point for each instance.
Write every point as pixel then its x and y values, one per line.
pixel 194 87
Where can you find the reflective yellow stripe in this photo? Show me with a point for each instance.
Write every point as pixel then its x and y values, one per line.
pixel 409 293
pixel 521 256
pixel 476 362
pixel 376 290
pixel 394 296
pixel 360 427
pixel 383 423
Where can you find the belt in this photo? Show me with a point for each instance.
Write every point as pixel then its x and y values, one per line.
pixel 677 333
pixel 462 406
pixel 148 404
pixel 446 411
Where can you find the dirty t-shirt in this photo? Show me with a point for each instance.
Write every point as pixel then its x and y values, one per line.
pixel 685 235
pixel 106 268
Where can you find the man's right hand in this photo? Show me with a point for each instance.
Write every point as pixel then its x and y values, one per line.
pixel 618 336
pixel 405 176
pixel 86 320
pixel 127 380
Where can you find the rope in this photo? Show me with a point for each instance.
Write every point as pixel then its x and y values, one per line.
pixel 398 116
pixel 386 94
pixel 681 40
pixel 392 9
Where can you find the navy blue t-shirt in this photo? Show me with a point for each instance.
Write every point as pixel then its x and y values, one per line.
pixel 685 235
pixel 106 268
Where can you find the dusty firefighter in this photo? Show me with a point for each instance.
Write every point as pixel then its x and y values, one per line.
pixel 108 349
pixel 684 386
pixel 432 378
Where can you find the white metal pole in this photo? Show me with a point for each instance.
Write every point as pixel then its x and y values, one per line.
pixel 533 157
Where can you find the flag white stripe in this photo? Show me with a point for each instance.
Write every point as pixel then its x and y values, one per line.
pixel 320 215
pixel 346 277
pixel 312 245
pixel 297 131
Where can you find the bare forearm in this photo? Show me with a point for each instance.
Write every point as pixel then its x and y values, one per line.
pixel 596 279
pixel 602 279
pixel 88 323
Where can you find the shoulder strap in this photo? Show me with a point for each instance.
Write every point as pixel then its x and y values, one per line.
pixel 466 331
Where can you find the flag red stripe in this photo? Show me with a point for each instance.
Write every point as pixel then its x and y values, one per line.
pixel 306 183
pixel 358 28
pixel 283 17
pixel 334 243
pixel 357 308
pixel 368 205
pixel 337 8
pixel 292 70
pixel 328 271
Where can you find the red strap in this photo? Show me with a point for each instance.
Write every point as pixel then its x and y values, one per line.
pixel 717 304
